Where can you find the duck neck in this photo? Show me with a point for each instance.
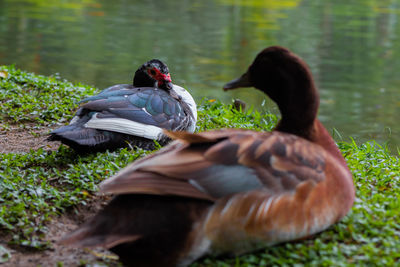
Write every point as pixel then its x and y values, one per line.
pixel 321 136
pixel 141 79
pixel 299 117
pixel 298 108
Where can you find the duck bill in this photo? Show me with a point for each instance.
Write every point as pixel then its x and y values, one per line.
pixel 242 81
pixel 166 85
pixel 169 85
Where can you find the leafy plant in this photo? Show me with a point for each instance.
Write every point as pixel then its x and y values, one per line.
pixel 38 185
pixel 26 97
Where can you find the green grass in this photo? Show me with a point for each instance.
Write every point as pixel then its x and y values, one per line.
pixel 38 186
pixel 29 98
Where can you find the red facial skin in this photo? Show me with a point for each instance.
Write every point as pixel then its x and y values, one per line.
pixel 160 77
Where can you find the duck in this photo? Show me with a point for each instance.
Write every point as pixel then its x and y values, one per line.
pixel 131 114
pixel 229 191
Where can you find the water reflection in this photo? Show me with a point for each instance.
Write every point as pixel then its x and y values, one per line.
pixel 352 48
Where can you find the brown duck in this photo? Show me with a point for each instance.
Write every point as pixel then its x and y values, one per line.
pixel 229 191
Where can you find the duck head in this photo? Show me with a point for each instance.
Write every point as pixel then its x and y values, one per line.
pixel 286 79
pixel 153 73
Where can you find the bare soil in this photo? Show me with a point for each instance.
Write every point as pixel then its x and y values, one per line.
pixel 58 254
pixel 18 140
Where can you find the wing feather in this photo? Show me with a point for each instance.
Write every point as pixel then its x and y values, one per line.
pixel 216 164
pixel 150 183
pixel 148 106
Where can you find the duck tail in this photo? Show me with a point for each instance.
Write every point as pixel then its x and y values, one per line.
pixel 143 230
pixel 89 236
pixel 75 135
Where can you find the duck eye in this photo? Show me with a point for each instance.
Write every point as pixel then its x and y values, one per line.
pixel 153 72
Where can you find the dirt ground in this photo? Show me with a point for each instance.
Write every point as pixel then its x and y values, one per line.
pixel 58 253
pixel 17 141
pixel 22 140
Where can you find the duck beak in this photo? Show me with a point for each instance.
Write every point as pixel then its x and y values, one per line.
pixel 169 85
pixel 242 81
pixel 166 85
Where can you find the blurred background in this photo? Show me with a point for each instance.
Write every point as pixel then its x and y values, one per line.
pixel 351 46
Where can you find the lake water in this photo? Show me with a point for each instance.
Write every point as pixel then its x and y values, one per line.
pixel 352 48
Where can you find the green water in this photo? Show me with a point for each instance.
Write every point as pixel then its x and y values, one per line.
pixel 352 47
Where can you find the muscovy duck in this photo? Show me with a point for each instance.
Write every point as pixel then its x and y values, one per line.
pixel 229 191
pixel 131 115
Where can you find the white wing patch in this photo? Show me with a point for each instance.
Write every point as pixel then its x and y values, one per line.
pixel 125 126
pixel 188 99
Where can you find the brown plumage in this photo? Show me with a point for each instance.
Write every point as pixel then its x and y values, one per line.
pixel 229 191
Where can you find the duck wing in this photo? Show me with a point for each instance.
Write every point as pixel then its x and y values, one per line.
pixel 110 91
pixel 123 114
pixel 213 165
pixel 148 106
